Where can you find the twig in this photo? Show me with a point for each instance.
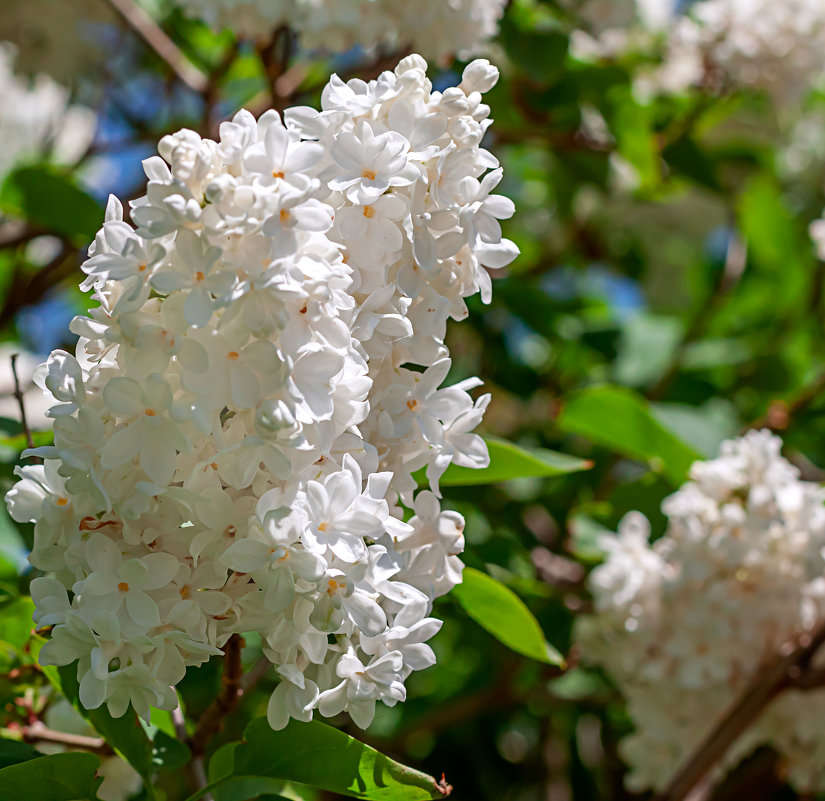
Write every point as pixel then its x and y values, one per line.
pixel 151 33
pixel 201 779
pixel 28 290
pixel 211 92
pixel 780 413
pixel 40 732
pixel 18 394
pixel 255 674
pixel 789 670
pixel 13 234
pixel 179 722
pixel 735 262
pixel 212 719
pixel 273 64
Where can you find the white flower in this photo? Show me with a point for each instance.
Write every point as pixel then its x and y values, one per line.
pixel 368 164
pixel 773 46
pixel 682 624
pixel 33 113
pixel 234 432
pixel 436 28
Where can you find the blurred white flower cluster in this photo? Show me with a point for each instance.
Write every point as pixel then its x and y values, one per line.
pixel 435 28
pixel 772 45
pixel 681 625
pixel 246 407
pixel 36 118
pixel 817 233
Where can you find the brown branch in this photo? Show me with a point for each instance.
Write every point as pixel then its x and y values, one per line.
pixel 39 732
pixel 211 93
pixel 789 670
pixel 13 234
pixel 18 394
pixel 230 694
pixel 780 413
pixel 275 63
pixel 28 290
pixel 255 674
pixel 153 35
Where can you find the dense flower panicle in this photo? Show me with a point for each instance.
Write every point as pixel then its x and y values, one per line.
pixel 36 117
pixel 435 28
pixel 62 40
pixel 237 432
pixel 682 624
pixel 773 45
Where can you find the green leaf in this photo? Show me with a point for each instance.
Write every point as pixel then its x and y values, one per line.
pixel 12 752
pixel 496 608
pixel 15 626
pixel 632 125
pixel 705 427
pixel 510 461
pixel 222 763
pixel 58 777
pixel 124 734
pixel 47 197
pixel 647 346
pixel 242 788
pixel 169 753
pixel 538 51
pixel 621 420
pixel 320 756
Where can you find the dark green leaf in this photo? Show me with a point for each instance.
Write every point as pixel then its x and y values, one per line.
pixel 13 752
pixel 49 198
pixel 58 777
pixel 169 753
pixel 622 421
pixel 496 608
pixel 242 788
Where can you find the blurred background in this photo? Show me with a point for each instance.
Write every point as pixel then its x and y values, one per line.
pixel 668 186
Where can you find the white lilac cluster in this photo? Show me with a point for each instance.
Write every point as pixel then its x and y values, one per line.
pixel 436 28
pixel 817 233
pixel 682 624
pixel 63 40
pixel 237 432
pixel 771 45
pixel 36 117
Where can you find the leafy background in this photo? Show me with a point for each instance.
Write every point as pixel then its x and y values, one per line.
pixel 667 297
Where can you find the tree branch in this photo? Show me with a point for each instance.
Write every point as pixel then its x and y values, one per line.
pixel 211 721
pixel 255 674
pixel 151 33
pixel 18 394
pixel 735 262
pixel 789 670
pixel 275 64
pixel 39 732
pixel 211 92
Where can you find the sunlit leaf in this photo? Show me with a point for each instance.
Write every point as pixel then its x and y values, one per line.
pixel 496 608
pixel 320 756
pixel 509 461
pixel 622 421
